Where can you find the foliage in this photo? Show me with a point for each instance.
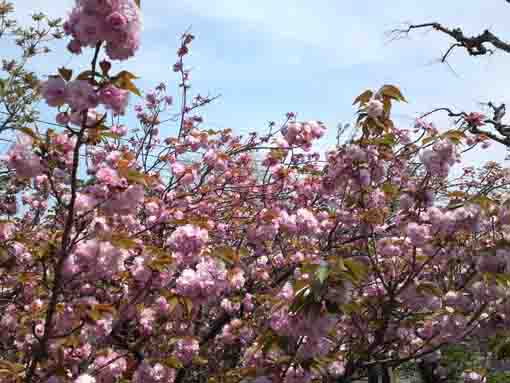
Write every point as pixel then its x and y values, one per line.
pixel 127 256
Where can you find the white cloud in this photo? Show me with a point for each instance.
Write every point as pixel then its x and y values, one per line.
pixel 316 54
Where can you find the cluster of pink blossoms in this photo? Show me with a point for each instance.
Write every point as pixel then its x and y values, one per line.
pixel 186 349
pixel 80 96
pixel 375 108
pixel 204 283
pixel 293 257
pixel 22 158
pixel 303 133
pixel 353 166
pixel 111 367
pixel 440 158
pixel 156 373
pixel 117 22
pixel 188 241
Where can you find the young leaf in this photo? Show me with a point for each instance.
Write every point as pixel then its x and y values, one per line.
pixel 322 274
pixel 85 75
pixel 127 84
pixel 392 92
pixel 364 97
pixel 66 74
pixel 29 132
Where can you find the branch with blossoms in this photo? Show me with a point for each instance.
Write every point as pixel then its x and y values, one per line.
pixel 141 258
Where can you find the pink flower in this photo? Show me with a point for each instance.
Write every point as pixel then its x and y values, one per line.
pixel 87 30
pixel 22 159
pixel 186 349
pixel 126 202
pixel 178 169
pixel 80 95
pixel 473 377
pixel 306 222
pixel 114 98
pixel 475 119
pixel 74 46
pixel 188 240
pixel 303 133
pixel 54 91
pixel 374 108
pixel 108 176
pixel 85 202
pixel 204 284
pixel 124 49
pixel 85 378
pixel 120 130
pixel 62 118
pixel 418 234
pixel 110 367
pixel 101 7
pixel 6 231
pixel 153 374
pixel 93 117
pixel 440 158
pixel 117 21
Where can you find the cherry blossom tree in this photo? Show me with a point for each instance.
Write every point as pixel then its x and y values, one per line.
pixel 127 256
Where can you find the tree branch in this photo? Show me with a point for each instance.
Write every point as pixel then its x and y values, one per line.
pixel 474 45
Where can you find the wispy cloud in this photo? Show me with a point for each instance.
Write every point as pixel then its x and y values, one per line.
pixel 269 57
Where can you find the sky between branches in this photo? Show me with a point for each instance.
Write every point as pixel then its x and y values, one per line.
pixel 268 57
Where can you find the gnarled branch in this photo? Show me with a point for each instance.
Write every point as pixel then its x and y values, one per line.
pixel 474 45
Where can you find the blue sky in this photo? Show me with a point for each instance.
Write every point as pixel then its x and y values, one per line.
pixel 312 57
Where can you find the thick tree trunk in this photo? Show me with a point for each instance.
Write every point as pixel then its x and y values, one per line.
pixel 380 374
pixel 426 370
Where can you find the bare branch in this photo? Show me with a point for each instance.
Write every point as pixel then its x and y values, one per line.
pixel 474 45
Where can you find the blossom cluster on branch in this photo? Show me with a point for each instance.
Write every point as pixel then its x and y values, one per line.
pixel 128 256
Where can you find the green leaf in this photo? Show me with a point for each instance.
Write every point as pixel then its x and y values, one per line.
pixel 126 75
pixel 85 75
pixel 457 194
pixel 161 262
pixel 109 134
pixel 387 139
pixel 454 135
pixel 135 176
pixel 357 269
pixel 352 307
pixel 29 132
pixel 322 273
pixel 429 289
pixel 484 202
pixel 364 97
pixel 98 311
pixel 201 361
pixel 66 74
pixel 392 92
pixel 172 304
pixel 226 254
pixel 390 189
pixel 302 298
pixel 187 303
pixel 503 350
pixel 172 362
pixel 123 242
pixel 428 140
pixel 127 84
